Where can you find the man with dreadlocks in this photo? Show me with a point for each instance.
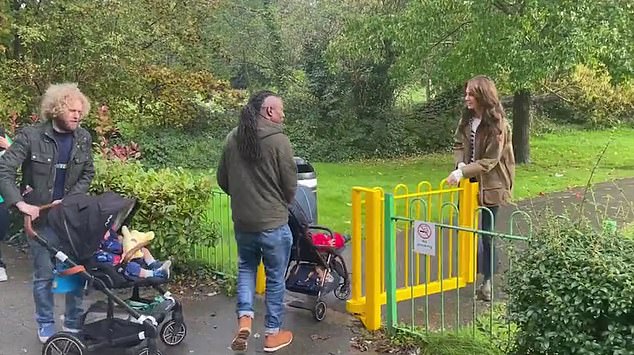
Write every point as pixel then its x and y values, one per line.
pixel 258 171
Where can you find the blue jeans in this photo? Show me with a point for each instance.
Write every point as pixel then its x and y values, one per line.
pixel 43 283
pixel 273 246
pixel 488 251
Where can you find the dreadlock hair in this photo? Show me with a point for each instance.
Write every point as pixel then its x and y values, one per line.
pixel 247 137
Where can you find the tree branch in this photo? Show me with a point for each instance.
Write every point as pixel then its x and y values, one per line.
pixel 451 33
pixel 589 183
pixel 556 93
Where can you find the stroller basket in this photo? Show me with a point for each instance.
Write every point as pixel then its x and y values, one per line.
pixel 125 333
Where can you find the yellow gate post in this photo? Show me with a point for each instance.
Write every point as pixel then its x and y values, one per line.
pixel 366 246
pixel 373 264
pixel 468 242
pixel 355 302
pixel 260 281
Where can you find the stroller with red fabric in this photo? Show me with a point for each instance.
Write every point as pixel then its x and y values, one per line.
pixel 80 222
pixel 316 266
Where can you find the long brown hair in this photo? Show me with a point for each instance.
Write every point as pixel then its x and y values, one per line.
pixel 485 92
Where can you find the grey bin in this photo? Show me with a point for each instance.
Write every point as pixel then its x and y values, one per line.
pixel 307 177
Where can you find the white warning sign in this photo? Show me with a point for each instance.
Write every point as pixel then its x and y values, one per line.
pixel 424 238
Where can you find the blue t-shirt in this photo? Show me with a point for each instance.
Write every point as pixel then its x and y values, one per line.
pixel 64 147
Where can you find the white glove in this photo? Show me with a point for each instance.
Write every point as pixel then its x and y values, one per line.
pixel 454 177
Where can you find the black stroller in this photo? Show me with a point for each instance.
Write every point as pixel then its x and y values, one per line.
pixel 301 274
pixel 81 222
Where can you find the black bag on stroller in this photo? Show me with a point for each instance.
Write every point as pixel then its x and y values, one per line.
pixel 80 223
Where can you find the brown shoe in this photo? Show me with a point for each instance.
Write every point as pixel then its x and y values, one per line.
pixel 239 343
pixel 277 341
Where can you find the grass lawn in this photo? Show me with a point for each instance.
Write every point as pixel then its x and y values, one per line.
pixel 559 161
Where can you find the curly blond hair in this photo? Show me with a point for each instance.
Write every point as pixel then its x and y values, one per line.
pixel 56 98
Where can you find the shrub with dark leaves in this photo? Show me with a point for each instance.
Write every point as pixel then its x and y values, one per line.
pixel 572 292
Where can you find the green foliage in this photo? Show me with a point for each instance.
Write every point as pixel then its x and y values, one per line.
pixel 172 204
pixel 572 291
pixel 628 231
pixel 447 343
pixel 591 97
pixel 494 325
pixel 518 43
pixel 174 97
pixel 169 148
pixel 105 46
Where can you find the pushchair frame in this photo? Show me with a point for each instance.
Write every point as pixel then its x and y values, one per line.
pixel 146 325
pixel 304 251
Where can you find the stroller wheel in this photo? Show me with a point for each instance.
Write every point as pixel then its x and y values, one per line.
pixel 342 291
pixel 146 351
pixel 64 344
pixel 320 311
pixel 173 333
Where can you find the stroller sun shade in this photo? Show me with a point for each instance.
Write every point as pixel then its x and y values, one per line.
pixel 81 221
pixel 303 206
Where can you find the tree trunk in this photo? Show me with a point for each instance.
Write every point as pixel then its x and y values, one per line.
pixel 521 126
pixel 17 41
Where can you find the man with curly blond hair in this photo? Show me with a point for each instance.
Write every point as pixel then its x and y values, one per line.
pixel 56 160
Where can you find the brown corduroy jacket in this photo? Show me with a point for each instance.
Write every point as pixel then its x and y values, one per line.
pixel 493 166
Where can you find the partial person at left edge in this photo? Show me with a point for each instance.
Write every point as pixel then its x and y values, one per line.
pixel 5 143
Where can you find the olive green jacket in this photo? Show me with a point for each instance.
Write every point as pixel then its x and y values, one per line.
pixel 260 192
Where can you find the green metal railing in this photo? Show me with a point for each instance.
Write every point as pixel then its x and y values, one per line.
pixel 222 256
pixel 390 223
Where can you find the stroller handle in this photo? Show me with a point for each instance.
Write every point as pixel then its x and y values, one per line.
pixel 28 221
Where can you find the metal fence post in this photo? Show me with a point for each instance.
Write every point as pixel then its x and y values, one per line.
pixel 390 262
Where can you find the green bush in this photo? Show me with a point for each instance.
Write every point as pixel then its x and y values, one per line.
pixel 171 148
pixel 572 292
pixel 331 134
pixel 172 204
pixel 589 96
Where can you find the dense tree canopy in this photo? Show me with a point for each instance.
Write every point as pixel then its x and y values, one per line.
pixel 341 65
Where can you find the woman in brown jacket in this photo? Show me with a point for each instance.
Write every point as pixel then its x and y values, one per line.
pixel 483 152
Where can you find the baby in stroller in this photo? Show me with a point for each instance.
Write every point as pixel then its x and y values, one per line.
pixel 81 221
pixel 316 266
pixel 324 242
pixel 116 247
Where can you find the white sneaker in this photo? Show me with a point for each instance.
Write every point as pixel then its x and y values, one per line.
pixel 71 330
pixel 3 274
pixel 67 329
pixel 485 290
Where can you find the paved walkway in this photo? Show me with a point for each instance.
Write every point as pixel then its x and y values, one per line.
pixel 210 320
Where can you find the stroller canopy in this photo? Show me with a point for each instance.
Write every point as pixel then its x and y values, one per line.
pixel 81 221
pixel 303 206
